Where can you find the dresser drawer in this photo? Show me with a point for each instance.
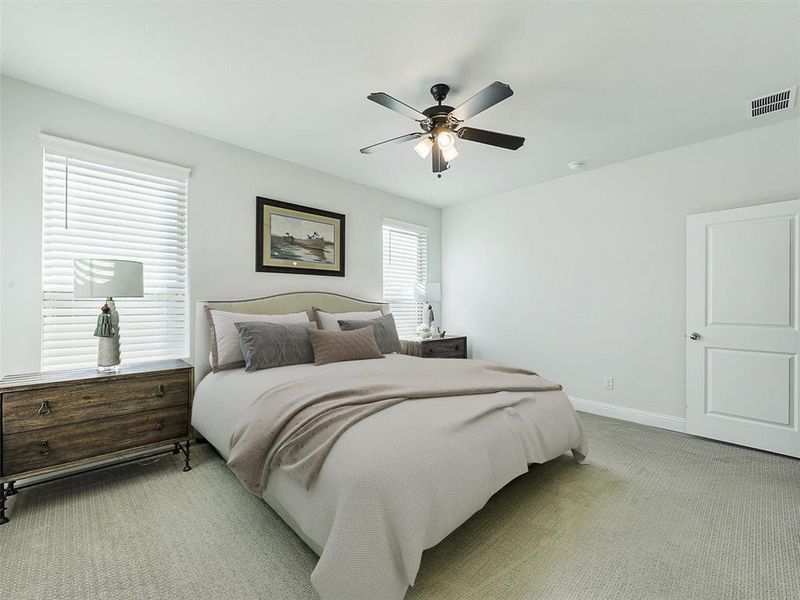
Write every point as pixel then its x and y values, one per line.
pixel 56 406
pixel 31 450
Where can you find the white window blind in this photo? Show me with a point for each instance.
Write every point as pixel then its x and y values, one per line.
pixel 104 204
pixel 405 267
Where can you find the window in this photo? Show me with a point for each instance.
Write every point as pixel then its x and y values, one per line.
pixel 99 203
pixel 405 270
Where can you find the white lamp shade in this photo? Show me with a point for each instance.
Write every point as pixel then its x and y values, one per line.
pixel 102 278
pixel 433 291
pixel 423 148
pixel 428 292
pixel 450 154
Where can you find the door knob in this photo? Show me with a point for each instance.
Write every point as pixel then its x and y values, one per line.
pixel 694 336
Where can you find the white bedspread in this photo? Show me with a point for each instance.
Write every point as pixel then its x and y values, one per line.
pixel 432 464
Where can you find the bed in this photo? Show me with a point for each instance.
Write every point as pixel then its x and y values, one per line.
pixel 398 481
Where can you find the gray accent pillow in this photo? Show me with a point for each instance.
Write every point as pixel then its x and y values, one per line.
pixel 385 331
pixel 269 345
pixel 328 321
pixel 338 346
pixel 226 348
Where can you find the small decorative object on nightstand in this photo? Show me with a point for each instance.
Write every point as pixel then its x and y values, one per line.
pixel 424 332
pixel 52 422
pixel 446 347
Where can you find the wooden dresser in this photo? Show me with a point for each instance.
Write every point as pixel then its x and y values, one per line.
pixel 446 347
pixel 51 422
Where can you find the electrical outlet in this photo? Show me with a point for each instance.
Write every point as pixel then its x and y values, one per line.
pixel 608 383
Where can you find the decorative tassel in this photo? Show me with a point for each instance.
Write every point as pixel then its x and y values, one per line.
pixel 104 325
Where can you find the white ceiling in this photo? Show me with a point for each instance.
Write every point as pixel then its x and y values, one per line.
pixel 596 82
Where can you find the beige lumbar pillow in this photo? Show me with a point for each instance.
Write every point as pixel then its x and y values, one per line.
pixel 338 346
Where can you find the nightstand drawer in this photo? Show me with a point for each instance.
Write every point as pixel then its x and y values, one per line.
pixel 31 410
pixel 31 450
pixel 444 348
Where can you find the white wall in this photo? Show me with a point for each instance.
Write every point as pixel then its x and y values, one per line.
pixel 584 276
pixel 225 182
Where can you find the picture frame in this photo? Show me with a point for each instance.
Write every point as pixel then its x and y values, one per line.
pixel 291 238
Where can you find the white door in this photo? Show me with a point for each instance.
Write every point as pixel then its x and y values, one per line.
pixel 742 338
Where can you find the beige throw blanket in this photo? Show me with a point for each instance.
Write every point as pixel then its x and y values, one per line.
pixel 295 424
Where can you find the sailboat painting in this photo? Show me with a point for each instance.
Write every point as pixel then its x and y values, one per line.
pixel 298 239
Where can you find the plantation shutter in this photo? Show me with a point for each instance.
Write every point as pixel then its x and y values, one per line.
pixel 100 203
pixel 405 267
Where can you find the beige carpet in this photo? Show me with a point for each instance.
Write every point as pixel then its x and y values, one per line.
pixel 653 515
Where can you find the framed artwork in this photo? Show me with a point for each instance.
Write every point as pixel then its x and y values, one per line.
pixel 297 239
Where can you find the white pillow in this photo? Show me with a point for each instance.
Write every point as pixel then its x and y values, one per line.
pixel 330 321
pixel 226 351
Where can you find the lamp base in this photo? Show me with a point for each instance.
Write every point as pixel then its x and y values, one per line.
pixel 108 355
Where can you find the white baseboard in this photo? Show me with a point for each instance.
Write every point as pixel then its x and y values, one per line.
pixel 624 413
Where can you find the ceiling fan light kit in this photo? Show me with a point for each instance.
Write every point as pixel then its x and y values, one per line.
pixel 441 124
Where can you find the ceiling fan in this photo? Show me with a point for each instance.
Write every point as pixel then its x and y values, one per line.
pixel 441 124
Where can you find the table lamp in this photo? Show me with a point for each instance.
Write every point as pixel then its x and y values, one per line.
pixel 430 292
pixel 104 278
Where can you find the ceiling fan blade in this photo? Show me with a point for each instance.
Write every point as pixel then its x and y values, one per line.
pixel 502 140
pixel 394 104
pixel 486 98
pixel 398 140
pixel 439 163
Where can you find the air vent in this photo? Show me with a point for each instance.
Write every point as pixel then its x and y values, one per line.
pixel 777 101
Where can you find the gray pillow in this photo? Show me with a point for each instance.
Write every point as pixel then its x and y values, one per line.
pixel 268 345
pixel 384 328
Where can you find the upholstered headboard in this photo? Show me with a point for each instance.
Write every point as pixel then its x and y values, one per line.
pixel 280 304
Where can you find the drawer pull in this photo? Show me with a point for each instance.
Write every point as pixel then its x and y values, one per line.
pixel 44 409
pixel 160 390
pixel 159 425
pixel 44 450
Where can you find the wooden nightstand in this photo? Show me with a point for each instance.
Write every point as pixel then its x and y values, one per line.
pixel 51 422
pixel 448 347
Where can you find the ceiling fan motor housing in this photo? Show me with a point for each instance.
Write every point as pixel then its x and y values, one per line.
pixel 437 117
